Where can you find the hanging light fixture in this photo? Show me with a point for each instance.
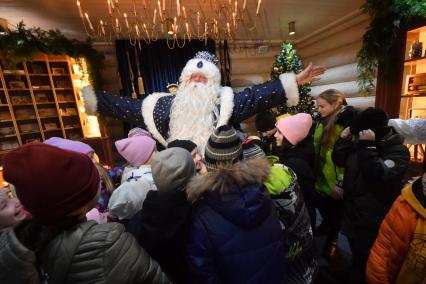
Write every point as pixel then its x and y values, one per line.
pixel 3 26
pixel 169 23
pixel 168 19
pixel 291 28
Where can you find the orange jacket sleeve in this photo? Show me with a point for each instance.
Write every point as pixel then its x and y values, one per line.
pixel 392 243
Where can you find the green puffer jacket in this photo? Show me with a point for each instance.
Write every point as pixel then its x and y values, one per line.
pixel 87 253
pixel 327 173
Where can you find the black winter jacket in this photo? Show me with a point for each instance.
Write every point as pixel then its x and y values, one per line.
pixel 301 159
pixel 161 227
pixel 372 181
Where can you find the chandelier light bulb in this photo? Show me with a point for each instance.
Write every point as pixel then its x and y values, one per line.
pixel 169 26
pixel 291 28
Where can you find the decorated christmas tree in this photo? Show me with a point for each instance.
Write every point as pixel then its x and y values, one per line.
pixel 288 61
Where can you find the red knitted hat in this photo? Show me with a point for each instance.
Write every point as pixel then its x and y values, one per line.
pixel 51 182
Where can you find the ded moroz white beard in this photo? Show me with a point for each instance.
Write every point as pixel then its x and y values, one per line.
pixel 191 116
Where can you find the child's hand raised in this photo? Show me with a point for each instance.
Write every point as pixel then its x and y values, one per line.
pixel 337 192
pixel 367 135
pixel 346 134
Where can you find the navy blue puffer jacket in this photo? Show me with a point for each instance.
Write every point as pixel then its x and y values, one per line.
pixel 235 235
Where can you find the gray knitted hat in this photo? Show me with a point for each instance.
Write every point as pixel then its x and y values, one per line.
pixel 172 168
pixel 224 145
pixel 252 151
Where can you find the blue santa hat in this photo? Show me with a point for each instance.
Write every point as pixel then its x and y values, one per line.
pixel 204 63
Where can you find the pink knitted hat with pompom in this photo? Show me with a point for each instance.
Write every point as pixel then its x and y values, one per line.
pixel 136 150
pixel 296 127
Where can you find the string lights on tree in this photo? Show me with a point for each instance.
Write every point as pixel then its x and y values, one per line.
pixel 288 61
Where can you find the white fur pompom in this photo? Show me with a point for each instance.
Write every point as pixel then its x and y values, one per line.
pixel 288 80
pixel 90 100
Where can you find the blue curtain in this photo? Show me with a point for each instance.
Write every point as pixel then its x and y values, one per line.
pixel 159 65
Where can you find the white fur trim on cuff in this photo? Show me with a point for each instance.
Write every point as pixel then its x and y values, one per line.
pixel 288 80
pixel 148 106
pixel 90 100
pixel 226 105
pixel 413 130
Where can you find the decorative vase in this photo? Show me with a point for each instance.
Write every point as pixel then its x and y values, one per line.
pixel 416 50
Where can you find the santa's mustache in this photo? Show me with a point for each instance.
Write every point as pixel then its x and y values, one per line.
pixel 192 86
pixel 195 91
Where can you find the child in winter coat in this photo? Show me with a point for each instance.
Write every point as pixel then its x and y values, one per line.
pixel 296 150
pixel 192 148
pixel 375 165
pixel 161 226
pixel 235 235
pixel 98 213
pixel 11 210
pixel 334 116
pixel 283 186
pixel 399 253
pixel 265 126
pixel 136 180
pixel 58 245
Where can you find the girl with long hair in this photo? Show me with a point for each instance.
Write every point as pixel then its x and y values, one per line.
pixel 334 116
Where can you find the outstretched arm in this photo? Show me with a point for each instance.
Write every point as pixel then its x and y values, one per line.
pixel 273 93
pixel 260 98
pixel 310 74
pixel 123 108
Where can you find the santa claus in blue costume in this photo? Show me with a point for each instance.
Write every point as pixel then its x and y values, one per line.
pixel 201 104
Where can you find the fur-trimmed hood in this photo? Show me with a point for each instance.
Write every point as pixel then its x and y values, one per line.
pixel 236 192
pixel 240 174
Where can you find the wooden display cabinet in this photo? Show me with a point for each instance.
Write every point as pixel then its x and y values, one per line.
pixel 413 95
pixel 38 100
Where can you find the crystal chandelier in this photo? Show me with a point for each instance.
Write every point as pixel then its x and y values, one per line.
pixel 169 19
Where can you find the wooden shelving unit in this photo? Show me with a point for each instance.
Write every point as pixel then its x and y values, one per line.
pixel 38 101
pixel 411 62
pixel 413 93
